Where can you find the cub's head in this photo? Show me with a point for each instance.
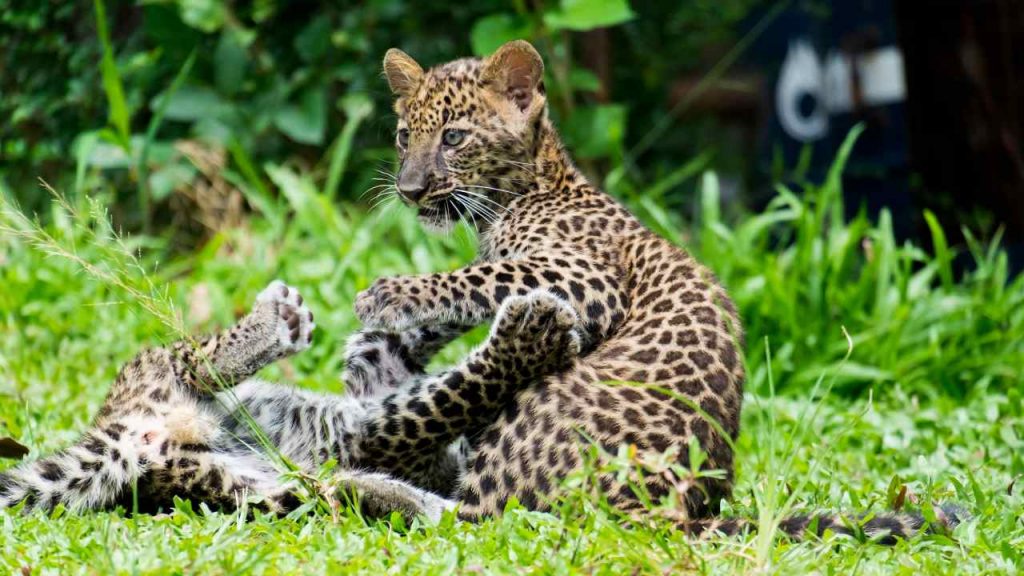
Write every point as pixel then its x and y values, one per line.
pixel 466 131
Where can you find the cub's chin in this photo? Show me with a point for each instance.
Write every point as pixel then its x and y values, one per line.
pixel 440 218
pixel 436 226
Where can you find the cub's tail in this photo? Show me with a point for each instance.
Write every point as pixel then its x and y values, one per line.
pixel 93 473
pixel 884 528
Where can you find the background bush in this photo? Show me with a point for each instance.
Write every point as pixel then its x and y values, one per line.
pixel 278 80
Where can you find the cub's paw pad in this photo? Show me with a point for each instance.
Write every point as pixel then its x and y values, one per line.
pixel 293 319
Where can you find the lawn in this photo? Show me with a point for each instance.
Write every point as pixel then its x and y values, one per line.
pixel 920 403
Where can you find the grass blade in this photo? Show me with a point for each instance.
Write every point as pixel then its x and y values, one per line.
pixel 119 116
pixel 357 108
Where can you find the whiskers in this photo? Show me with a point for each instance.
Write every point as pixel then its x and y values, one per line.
pixel 383 196
pixel 479 206
pixel 445 222
pixel 473 207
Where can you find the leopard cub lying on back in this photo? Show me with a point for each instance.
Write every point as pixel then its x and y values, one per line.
pixel 181 421
pixel 476 144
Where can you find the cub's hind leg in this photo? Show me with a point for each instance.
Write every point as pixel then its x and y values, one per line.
pixel 533 335
pixel 378 495
pixel 374 495
pixel 378 362
pixel 156 408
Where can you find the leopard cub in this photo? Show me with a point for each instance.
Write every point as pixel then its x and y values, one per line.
pixel 189 421
pixel 661 363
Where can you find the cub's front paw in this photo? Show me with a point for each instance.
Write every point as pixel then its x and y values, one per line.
pixel 539 327
pixel 292 320
pixel 386 306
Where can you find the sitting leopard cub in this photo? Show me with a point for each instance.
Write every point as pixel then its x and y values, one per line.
pixel 173 425
pixel 476 144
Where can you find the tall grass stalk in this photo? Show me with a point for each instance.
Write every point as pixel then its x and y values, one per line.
pixel 799 270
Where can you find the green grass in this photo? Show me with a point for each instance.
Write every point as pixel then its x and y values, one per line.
pixel 929 398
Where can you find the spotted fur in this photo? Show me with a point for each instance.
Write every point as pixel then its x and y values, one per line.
pixel 661 362
pixel 173 425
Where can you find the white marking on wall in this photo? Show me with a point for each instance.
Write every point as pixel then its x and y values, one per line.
pixel 879 73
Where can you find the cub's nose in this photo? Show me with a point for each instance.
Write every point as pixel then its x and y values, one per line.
pixel 412 192
pixel 412 186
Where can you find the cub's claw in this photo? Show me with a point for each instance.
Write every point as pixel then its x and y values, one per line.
pixel 293 319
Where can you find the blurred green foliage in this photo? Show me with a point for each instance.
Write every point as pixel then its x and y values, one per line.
pixel 279 80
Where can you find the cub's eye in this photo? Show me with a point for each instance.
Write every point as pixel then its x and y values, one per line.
pixel 453 137
pixel 403 137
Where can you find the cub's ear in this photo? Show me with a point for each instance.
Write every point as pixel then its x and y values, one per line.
pixel 515 70
pixel 403 73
